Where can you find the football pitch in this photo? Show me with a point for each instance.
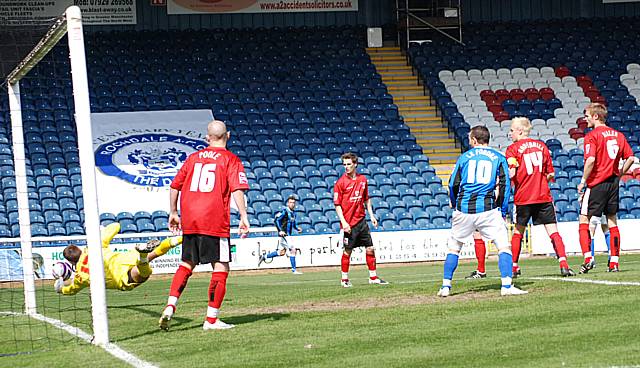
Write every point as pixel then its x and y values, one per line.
pixel 285 320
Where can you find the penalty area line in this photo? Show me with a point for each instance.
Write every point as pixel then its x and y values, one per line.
pixel 587 281
pixel 110 348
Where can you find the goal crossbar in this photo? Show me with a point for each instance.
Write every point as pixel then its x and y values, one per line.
pixel 57 30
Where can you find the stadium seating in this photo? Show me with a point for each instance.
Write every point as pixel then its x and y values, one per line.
pixel 298 98
pixel 547 71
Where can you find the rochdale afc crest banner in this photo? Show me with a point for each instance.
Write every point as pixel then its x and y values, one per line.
pixel 138 153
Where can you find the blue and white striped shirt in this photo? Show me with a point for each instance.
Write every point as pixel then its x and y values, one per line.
pixel 472 187
pixel 286 221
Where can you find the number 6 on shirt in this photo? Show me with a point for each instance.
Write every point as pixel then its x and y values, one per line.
pixel 204 177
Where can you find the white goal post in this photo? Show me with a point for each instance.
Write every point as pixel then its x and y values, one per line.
pixel 69 23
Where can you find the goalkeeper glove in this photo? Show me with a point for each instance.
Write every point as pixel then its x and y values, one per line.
pixel 58 285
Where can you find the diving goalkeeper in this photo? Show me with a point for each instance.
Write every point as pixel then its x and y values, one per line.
pixel 122 270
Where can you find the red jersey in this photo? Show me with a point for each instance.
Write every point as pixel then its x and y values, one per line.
pixel 532 161
pixel 608 146
pixel 350 195
pixel 205 181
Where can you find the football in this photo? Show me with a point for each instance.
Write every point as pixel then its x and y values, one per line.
pixel 61 270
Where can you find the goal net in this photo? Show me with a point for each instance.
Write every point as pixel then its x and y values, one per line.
pixel 46 145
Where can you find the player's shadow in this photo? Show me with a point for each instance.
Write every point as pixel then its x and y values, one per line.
pixel 493 286
pixel 183 324
pixel 249 318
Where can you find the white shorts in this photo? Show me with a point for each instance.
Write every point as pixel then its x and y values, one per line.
pixel 489 224
pixel 283 243
pixel 595 220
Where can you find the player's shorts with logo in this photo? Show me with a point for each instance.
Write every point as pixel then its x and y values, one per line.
pixel 539 213
pixel 360 236
pixel 602 199
pixel 201 249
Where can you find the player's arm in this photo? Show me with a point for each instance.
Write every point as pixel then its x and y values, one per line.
pixel 75 286
pixel 627 153
pixel 454 184
pixel 174 218
pixel 627 165
pixel 504 186
pixel 278 221
pixel 108 233
pixel 337 199
pixel 512 161
pixel 549 169
pixel 589 164
pixel 238 196
pixel 372 215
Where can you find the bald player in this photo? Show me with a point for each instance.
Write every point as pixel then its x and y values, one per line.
pixel 205 184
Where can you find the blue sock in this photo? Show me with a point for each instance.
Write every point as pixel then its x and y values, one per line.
pixel 272 254
pixel 607 239
pixel 593 246
pixel 450 265
pixel 505 265
pixel 293 263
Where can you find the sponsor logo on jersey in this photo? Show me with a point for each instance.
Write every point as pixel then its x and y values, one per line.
pixel 146 159
pixel 242 178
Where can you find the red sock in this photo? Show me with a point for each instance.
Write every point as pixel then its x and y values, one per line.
pixel 217 289
pixel 346 259
pixel 558 246
pixel 614 241
pixel 585 241
pixel 179 281
pixel 481 253
pixel 516 241
pixel 371 264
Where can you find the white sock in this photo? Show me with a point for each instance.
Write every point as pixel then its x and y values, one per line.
pixel 345 275
pixel 212 312
pixel 446 283
pixel 615 259
pixel 506 282
pixel 372 274
pixel 171 305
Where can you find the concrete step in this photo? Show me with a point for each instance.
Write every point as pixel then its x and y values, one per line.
pixel 397 74
pixel 382 49
pixel 412 79
pixel 418 121
pixel 389 63
pixel 428 141
pixel 413 98
pixel 393 68
pixel 412 103
pixel 401 82
pixel 449 151
pixel 375 58
pixel 416 108
pixel 430 129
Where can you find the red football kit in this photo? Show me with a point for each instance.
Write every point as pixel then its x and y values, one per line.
pixel 532 166
pixel 608 146
pixel 350 195
pixel 205 181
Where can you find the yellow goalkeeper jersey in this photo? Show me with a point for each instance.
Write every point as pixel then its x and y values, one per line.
pixel 81 278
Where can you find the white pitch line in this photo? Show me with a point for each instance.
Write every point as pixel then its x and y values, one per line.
pixel 110 348
pixel 587 281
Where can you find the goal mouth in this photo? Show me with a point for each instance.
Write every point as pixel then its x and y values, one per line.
pixel 35 128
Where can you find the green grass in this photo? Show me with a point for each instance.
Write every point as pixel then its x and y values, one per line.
pixel 309 320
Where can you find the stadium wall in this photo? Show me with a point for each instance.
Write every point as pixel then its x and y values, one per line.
pixel 515 10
